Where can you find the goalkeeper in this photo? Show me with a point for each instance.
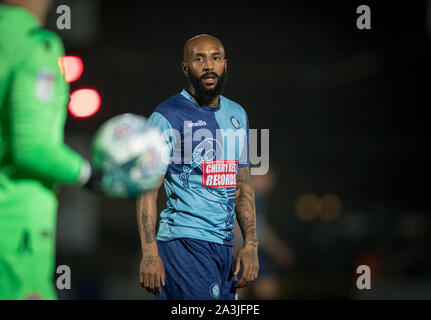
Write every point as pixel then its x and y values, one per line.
pixel 33 156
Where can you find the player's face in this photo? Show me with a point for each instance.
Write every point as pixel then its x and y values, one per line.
pixel 206 67
pixel 207 62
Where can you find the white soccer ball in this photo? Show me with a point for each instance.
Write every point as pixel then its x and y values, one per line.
pixel 131 155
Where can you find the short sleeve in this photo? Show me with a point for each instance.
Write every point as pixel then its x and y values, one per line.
pixel 157 120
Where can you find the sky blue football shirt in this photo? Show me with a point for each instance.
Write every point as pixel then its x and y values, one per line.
pixel 208 145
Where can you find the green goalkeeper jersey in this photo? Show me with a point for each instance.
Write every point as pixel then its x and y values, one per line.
pixel 33 110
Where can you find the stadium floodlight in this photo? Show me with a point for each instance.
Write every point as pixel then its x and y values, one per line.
pixel 72 67
pixel 84 103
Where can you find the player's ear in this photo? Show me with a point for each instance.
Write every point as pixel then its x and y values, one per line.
pixel 225 64
pixel 185 68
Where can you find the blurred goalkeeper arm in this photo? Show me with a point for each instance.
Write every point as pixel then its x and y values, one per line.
pixel 37 114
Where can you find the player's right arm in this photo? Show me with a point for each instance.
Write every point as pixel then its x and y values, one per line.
pixel 151 270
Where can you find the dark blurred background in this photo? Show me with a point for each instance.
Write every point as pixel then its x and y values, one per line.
pixel 349 136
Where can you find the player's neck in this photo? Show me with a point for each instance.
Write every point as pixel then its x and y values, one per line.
pixel 38 8
pixel 203 102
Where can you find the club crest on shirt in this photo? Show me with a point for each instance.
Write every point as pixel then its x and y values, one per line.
pixel 215 290
pixel 235 122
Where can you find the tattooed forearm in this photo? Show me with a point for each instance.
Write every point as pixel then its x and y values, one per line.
pixel 245 207
pixel 148 228
pixel 146 214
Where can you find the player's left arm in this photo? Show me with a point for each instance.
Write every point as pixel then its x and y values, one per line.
pixel 246 217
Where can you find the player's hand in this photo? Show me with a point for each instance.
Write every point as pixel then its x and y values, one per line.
pixel 247 259
pixel 152 274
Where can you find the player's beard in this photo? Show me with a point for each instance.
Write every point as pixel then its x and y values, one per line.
pixel 204 95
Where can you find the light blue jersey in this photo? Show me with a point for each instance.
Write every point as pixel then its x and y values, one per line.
pixel 208 145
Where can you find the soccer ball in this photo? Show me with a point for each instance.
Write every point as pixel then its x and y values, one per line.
pixel 131 154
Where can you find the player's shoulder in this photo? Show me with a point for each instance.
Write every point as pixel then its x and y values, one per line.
pixel 173 104
pixel 233 109
pixel 47 41
pixel 15 23
pixel 173 107
pixel 16 19
pixel 23 28
pixel 24 39
pixel 232 105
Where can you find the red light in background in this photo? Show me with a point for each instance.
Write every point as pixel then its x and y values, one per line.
pixel 84 103
pixel 73 68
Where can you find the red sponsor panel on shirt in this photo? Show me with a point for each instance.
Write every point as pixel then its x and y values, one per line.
pixel 219 173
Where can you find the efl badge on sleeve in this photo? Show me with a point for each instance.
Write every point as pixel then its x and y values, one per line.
pixel 45 85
